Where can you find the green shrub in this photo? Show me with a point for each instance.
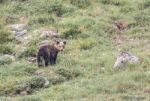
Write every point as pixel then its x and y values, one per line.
pixel 56 80
pixel 30 70
pixel 36 83
pixel 115 2
pixel 55 8
pixel 2 23
pixel 71 33
pixel 68 9
pixel 29 52
pixel 143 4
pixel 41 20
pixel 59 9
pixel 32 98
pixel 5 36
pixel 83 44
pixel 142 18
pixel 81 3
pixel 5 60
pixel 6 49
pixel 19 88
pixel 3 1
pixel 67 73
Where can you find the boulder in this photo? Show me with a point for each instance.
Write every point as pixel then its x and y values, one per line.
pixel 24 39
pixel 46 84
pixel 47 32
pixel 125 57
pixel 31 60
pixel 20 33
pixel 17 27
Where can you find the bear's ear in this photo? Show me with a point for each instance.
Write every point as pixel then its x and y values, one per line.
pixel 64 42
pixel 57 42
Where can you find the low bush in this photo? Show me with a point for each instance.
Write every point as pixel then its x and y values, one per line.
pixel 81 3
pixel 115 2
pixel 56 80
pixel 36 83
pixel 5 36
pixel 58 9
pixel 29 52
pixel 5 60
pixel 83 44
pixel 32 98
pixel 67 73
pixel 142 18
pixel 71 33
pixel 6 49
pixel 143 4
pixel 55 8
pixel 42 20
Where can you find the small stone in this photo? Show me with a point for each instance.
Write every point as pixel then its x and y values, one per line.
pixel 46 84
pixel 20 33
pixel 23 93
pixel 32 60
pixel 17 27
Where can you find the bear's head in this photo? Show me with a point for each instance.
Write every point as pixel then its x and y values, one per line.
pixel 60 45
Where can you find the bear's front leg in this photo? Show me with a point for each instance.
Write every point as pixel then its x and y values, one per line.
pixel 46 59
pixel 55 58
pixel 52 60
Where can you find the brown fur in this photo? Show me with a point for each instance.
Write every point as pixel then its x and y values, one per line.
pixel 49 52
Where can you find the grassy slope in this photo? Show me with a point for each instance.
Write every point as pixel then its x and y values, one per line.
pixel 98 82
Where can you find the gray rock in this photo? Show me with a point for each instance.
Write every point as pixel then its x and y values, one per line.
pixel 17 27
pixel 46 84
pixel 24 39
pixel 47 32
pixel 125 57
pixel 20 33
pixel 32 60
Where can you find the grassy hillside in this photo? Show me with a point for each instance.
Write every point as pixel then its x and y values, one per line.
pixel 84 70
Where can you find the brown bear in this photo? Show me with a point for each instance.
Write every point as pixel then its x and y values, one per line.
pixel 49 52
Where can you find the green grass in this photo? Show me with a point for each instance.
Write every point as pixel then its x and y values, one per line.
pixel 90 51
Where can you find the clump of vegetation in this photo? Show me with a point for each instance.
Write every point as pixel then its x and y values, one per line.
pixel 144 4
pixel 81 3
pixel 115 2
pixel 5 36
pixel 32 98
pixel 66 73
pixel 58 9
pixel 5 60
pixel 71 33
pixel 83 44
pixel 41 20
pixel 6 49
pixel 56 80
pixel 5 39
pixel 29 52
pixel 36 83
